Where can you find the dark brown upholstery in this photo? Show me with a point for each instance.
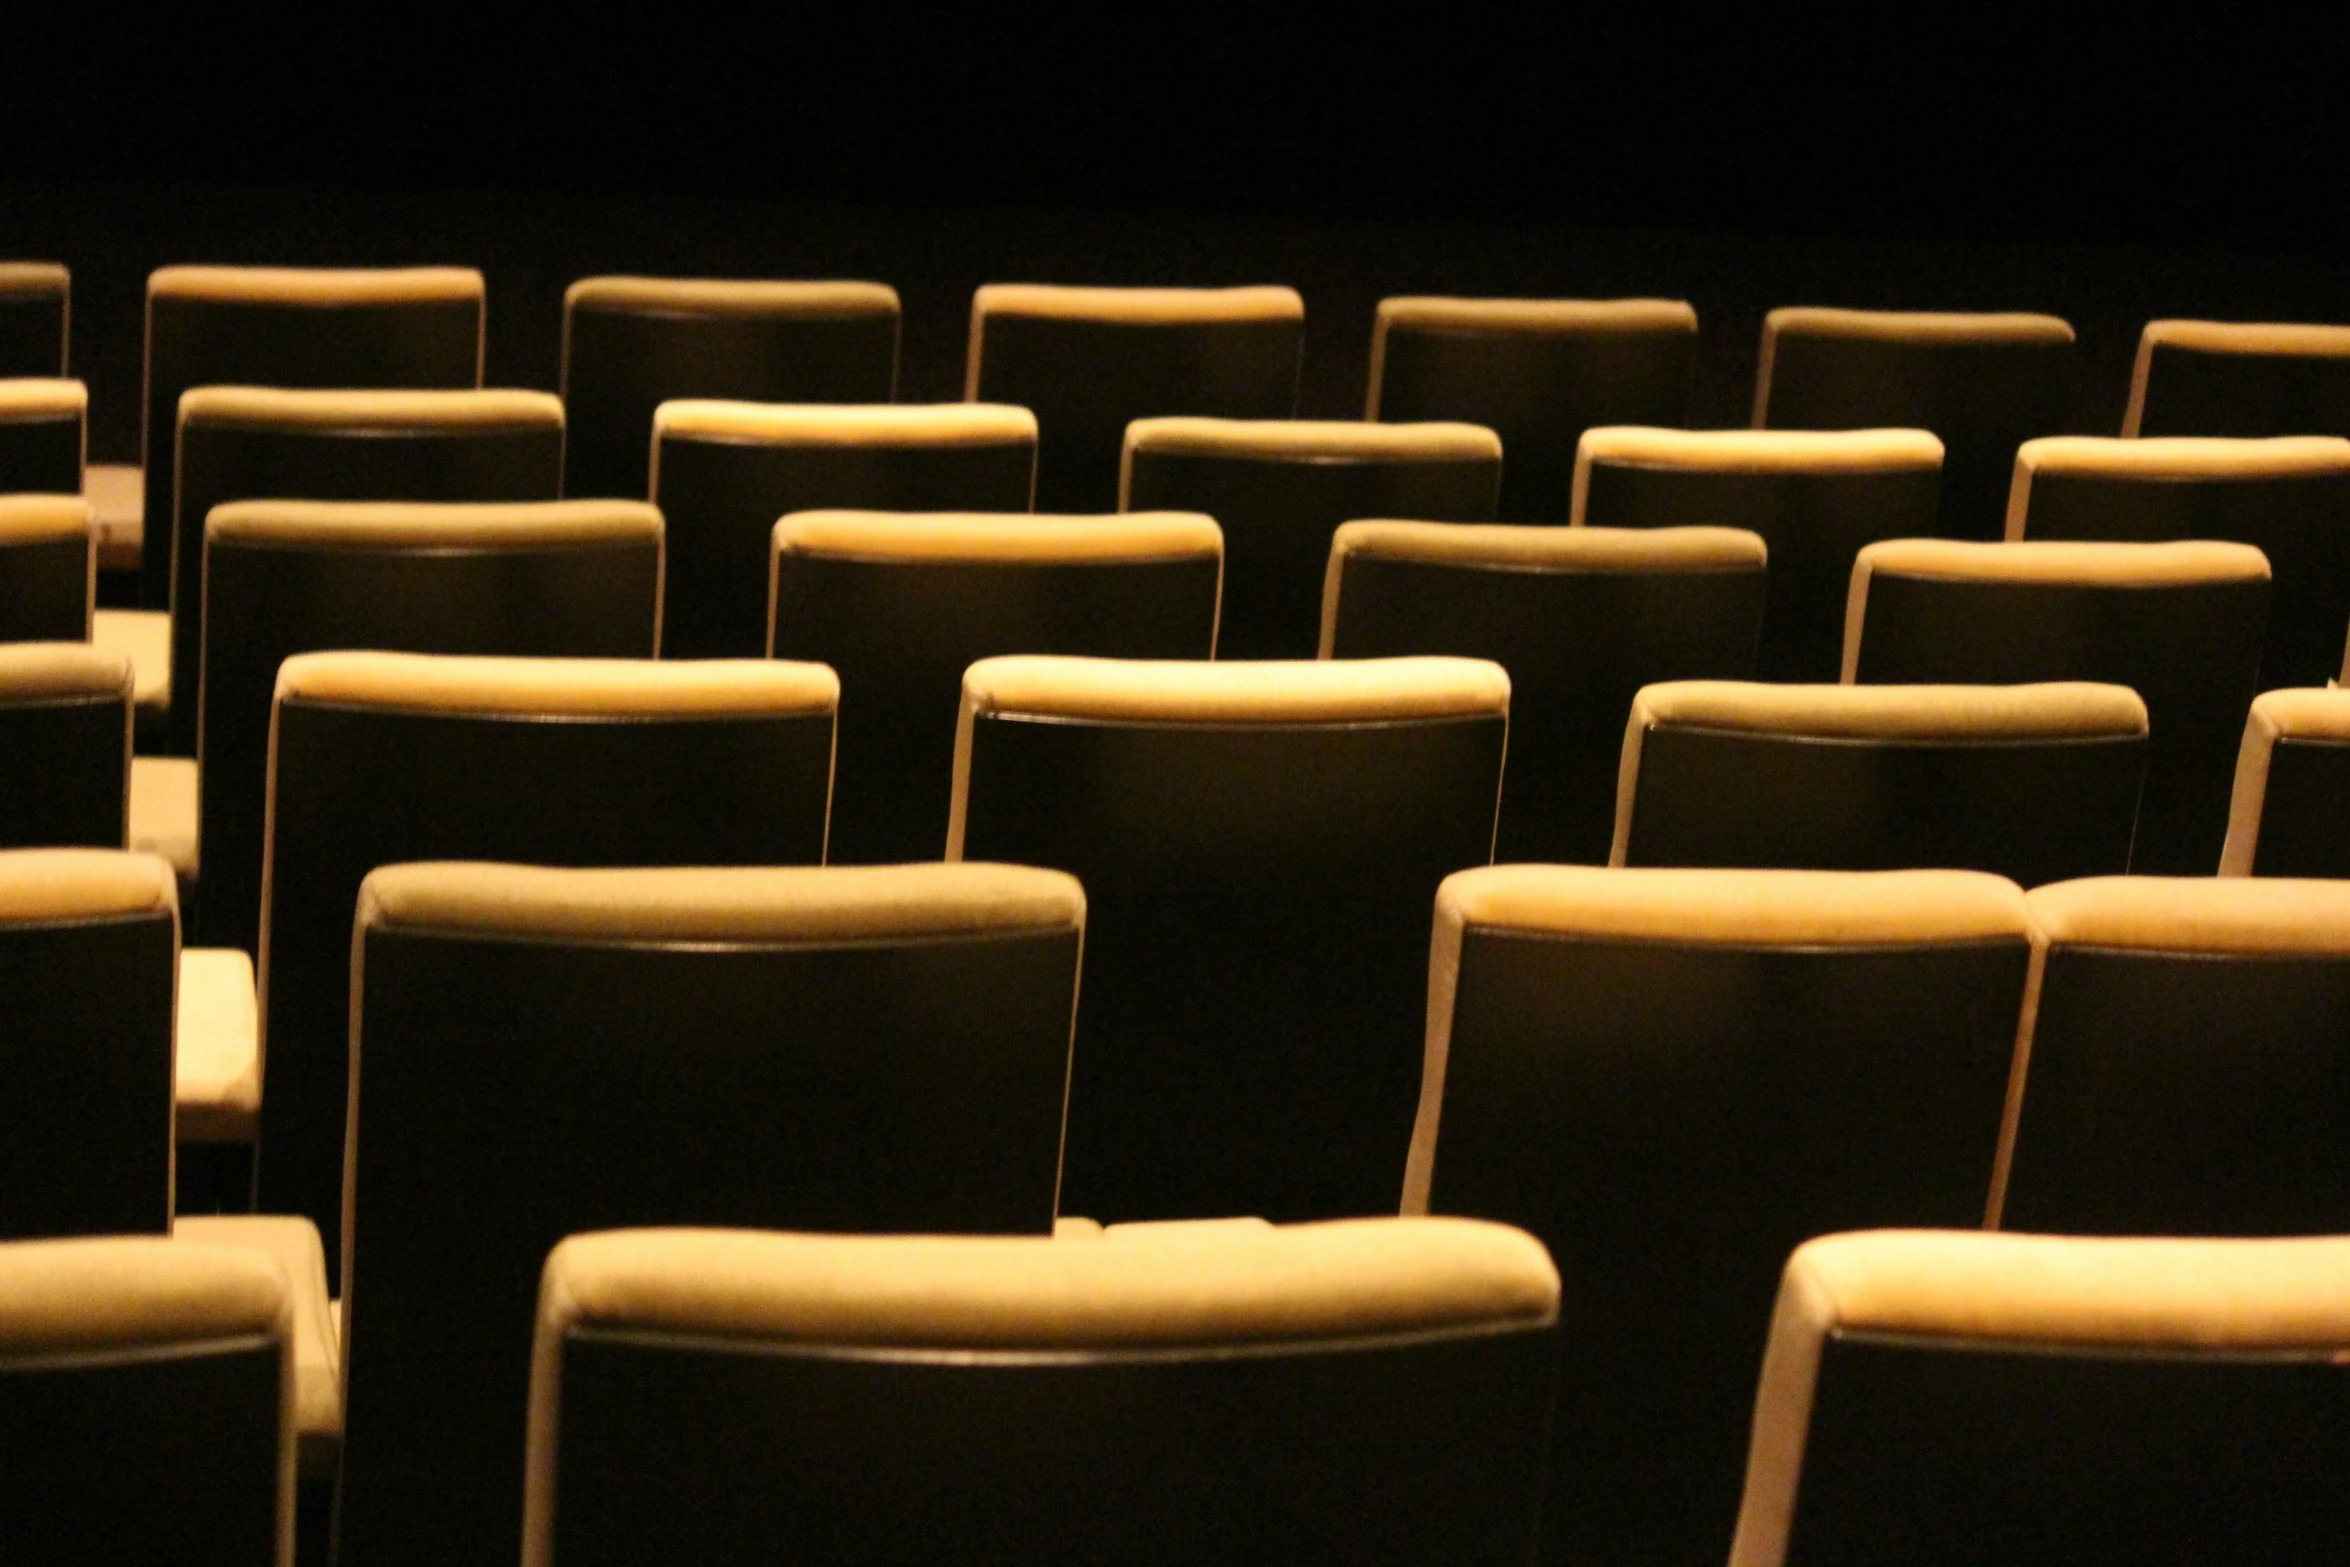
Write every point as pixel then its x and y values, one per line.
pixel 1673 1077
pixel 1090 361
pixel 1815 500
pixel 1258 843
pixel 2180 624
pixel 1984 383
pixel 2287 497
pixel 2229 378
pixel 1988 1400
pixel 36 305
pixel 2184 1067
pixel 42 436
pixel 2036 783
pixel 901 604
pixel 1537 372
pixel 1367 1392
pixel 1581 618
pixel 1280 488
pixel 724 473
pixel 246 443
pixel 377 758
pixel 2291 811
pixel 565 578
pixel 291 326
pixel 48 568
pixel 631 344
pixel 65 746
pixel 540 1052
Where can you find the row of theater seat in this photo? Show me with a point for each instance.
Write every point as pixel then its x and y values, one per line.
pixel 1671 1079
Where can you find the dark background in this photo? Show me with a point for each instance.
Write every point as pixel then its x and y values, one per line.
pixel 2177 161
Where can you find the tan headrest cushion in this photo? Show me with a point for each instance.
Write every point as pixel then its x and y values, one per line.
pixel 1160 1286
pixel 796 904
pixel 991 537
pixel 1112 690
pixel 1515 547
pixel 2196 914
pixel 2185 456
pixel 54 671
pixel 1736 907
pixel 1138 306
pixel 47 886
pixel 2249 337
pixel 572 687
pixel 436 524
pixel 317 286
pixel 730 297
pixel 1756 451
pixel 34 277
pixel 2070 709
pixel 1311 440
pixel 42 397
pixel 2178 564
pixel 1916 326
pixel 2322 717
pixel 126 1292
pixel 845 424
pixel 1438 313
pixel 43 519
pixel 2304 713
pixel 330 411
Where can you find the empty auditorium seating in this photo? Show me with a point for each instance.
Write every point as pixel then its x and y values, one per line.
pixel 41 436
pixel 631 344
pixel 291 326
pixel 576 578
pixel 376 758
pixel 1581 618
pixel 2287 497
pixel 2181 624
pixel 1985 1399
pixel 48 568
pixel 243 443
pixel 1374 1391
pixel 1984 383
pixel 1538 372
pixel 1672 1078
pixel 901 604
pixel 145 1404
pixel 2184 1067
pixel 2036 783
pixel 1279 488
pixel 65 746
pixel 2237 378
pixel 1258 844
pixel 539 1052
pixel 723 473
pixel 2291 812
pixel 1815 498
pixel 36 304
pixel 1090 361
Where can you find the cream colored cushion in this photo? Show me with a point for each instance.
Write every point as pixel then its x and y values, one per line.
pixel 42 397
pixel 572 687
pixel 69 1297
pixel 1919 327
pixel 1007 537
pixel 2169 459
pixel 2254 916
pixel 163 815
pixel 316 286
pixel 730 297
pixel 1174 691
pixel 840 424
pixel 1306 441
pixel 276 408
pixel 216 1063
pixel 1520 318
pixel 474 525
pixel 48 886
pixel 1124 307
pixel 42 519
pixel 2307 714
pixel 19 278
pixel 1748 451
pixel 2282 339
pixel 293 1245
pixel 117 493
pixel 144 637
pixel 52 671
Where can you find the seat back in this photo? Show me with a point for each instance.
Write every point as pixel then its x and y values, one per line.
pixel 2242 379
pixel 2287 817
pixel 1374 1391
pixel 901 604
pixel 1815 499
pixel 2184 1066
pixel 2180 624
pixel 1986 1399
pixel 1280 488
pixel 1538 373
pixel 2036 783
pixel 1258 844
pixel 539 1052
pixel 560 579
pixel 146 1402
pixel 36 306
pixel 631 344
pixel 377 758
pixel 723 473
pixel 1671 1078
pixel 1090 361
pixel 42 436
pixel 1581 618
pixel 89 942
pixel 48 568
pixel 1984 383
pixel 65 746
pixel 2285 497
pixel 416 327
pixel 252 443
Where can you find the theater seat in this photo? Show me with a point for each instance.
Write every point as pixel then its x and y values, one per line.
pixel 36 306
pixel 43 430
pixel 1374 1391
pixel 2036 783
pixel 2290 815
pixel 48 569
pixel 65 761
pixel 2238 378
pixel 1982 1399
